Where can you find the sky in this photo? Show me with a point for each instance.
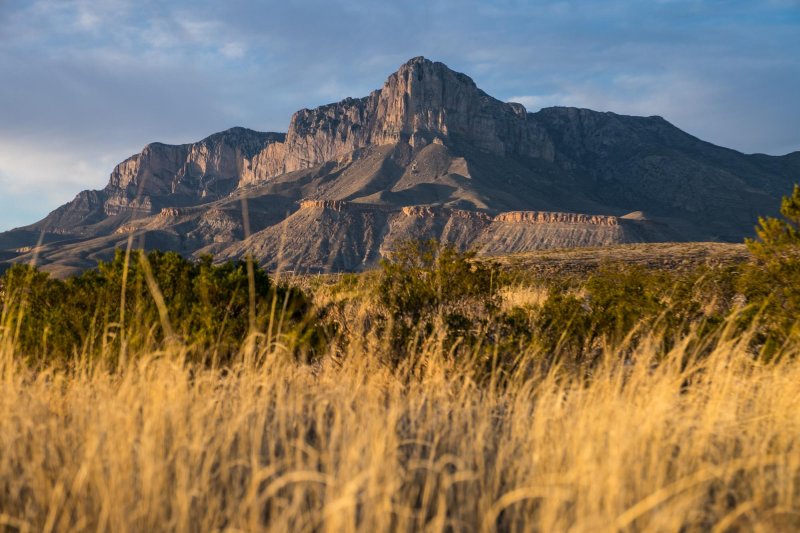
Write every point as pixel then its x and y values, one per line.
pixel 86 83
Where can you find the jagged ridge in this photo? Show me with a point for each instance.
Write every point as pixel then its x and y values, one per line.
pixel 428 154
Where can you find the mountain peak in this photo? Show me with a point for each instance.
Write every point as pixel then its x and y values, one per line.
pixel 421 73
pixel 427 155
pixel 416 60
pixel 421 102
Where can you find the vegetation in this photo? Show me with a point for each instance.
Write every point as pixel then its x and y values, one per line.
pixel 440 393
pixel 773 281
pixel 140 302
pixel 425 286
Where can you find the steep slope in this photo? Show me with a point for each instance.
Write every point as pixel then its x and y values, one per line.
pixel 647 164
pixel 428 155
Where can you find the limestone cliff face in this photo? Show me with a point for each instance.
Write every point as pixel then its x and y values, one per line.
pixel 328 132
pixel 269 162
pixel 334 205
pixel 544 217
pixel 425 99
pixel 428 211
pixel 125 173
pixel 422 102
pixel 189 173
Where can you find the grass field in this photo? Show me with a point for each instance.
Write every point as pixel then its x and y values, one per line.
pixel 352 445
pixel 700 437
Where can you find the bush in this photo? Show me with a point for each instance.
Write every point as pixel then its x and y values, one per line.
pixel 203 306
pixel 424 284
pixel 620 304
pixel 771 284
pixel 428 289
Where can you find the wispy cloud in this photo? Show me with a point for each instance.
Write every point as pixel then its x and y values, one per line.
pixel 35 179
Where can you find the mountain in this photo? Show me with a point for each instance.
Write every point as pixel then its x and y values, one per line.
pixel 429 155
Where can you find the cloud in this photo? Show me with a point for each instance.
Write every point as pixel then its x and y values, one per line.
pixel 668 94
pixel 734 115
pixel 36 179
pixel 233 50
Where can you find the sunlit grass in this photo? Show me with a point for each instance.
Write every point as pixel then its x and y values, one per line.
pixel 350 443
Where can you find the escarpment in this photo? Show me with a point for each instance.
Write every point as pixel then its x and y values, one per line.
pixel 539 217
pixel 427 155
pixel 421 103
pixel 163 176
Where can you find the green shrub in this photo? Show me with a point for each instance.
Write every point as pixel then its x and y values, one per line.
pixel 563 324
pixel 420 277
pixel 206 307
pixel 424 284
pixel 620 304
pixel 771 284
pixel 427 289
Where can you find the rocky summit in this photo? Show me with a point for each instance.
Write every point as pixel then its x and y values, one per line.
pixel 428 155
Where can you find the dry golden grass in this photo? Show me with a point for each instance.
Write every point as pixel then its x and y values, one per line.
pixel 351 445
pixel 522 296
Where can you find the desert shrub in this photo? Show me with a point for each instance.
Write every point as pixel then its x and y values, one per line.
pixel 421 277
pixel 605 309
pixel 563 324
pixel 771 283
pixel 621 299
pixel 31 315
pixel 206 308
pixel 424 284
pixel 621 304
pixel 427 289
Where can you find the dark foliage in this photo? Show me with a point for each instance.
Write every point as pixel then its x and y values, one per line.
pixel 771 284
pixel 206 308
pixel 427 285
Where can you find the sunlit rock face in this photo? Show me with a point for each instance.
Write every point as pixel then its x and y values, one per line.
pixel 420 103
pixel 206 170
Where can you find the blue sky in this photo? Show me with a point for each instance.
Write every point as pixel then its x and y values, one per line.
pixel 86 83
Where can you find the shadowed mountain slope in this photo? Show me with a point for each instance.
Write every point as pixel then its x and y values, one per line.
pixel 429 155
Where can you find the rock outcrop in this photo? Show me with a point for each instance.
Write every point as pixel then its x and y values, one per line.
pixel 427 155
pixel 544 217
pixel 188 174
pixel 421 103
pixel 335 205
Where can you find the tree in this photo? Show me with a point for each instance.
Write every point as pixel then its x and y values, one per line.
pixel 778 237
pixel 772 282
